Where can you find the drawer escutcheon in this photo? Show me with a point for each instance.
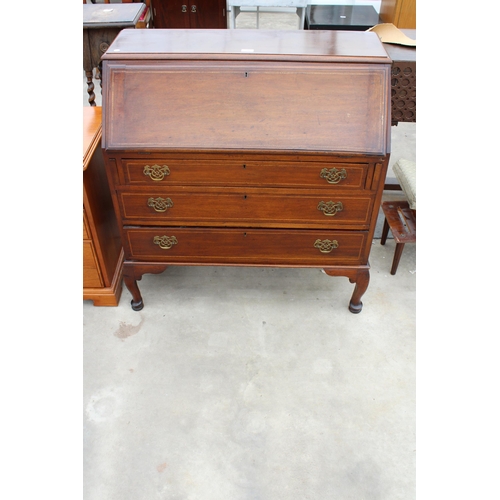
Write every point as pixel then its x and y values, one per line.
pixel 156 172
pixel 333 176
pixel 160 204
pixel 326 246
pixel 330 208
pixel 165 242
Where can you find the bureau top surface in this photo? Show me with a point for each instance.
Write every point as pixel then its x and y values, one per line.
pixel 248 44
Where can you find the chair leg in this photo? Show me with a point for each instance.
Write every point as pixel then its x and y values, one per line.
pixel 397 256
pixel 385 232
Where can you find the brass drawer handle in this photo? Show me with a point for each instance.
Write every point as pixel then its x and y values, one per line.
pixel 330 208
pixel 333 176
pixel 326 246
pixel 156 172
pixel 160 204
pixel 165 242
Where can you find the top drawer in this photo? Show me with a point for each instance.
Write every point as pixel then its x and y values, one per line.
pixel 157 171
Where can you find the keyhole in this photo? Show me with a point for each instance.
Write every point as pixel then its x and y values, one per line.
pixel 246 74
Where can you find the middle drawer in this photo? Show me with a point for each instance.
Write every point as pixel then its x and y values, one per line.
pixel 249 207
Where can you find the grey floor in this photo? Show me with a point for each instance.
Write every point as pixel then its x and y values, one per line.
pixel 255 383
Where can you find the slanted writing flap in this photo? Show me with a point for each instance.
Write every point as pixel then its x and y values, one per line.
pixel 248 104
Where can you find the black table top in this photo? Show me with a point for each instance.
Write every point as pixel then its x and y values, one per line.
pixel 341 17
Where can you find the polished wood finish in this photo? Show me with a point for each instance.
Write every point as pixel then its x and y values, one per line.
pixel 253 90
pixel 102 250
pixel 252 170
pixel 262 207
pixel 195 14
pixel 401 13
pixel 248 246
pixel 245 45
pixel 402 221
pixel 247 148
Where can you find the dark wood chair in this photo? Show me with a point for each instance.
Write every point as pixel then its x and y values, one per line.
pixel 99 32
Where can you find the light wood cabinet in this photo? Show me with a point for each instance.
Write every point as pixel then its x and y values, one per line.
pixel 102 249
pixel 401 13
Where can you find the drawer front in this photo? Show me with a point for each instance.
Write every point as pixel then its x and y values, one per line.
pixel 244 173
pixel 255 246
pixel 250 207
pixel 91 274
pixel 86 231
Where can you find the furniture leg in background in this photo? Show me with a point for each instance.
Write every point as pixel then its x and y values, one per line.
pixel 101 25
pixel 401 220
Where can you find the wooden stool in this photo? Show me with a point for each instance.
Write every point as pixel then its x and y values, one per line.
pixel 401 216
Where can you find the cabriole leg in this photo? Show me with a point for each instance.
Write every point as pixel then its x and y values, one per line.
pixel 132 273
pixel 358 275
pixel 130 281
pixel 362 279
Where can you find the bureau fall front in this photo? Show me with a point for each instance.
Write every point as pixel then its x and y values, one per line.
pixel 246 148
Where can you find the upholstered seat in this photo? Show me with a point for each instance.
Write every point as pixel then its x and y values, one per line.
pixel 406 173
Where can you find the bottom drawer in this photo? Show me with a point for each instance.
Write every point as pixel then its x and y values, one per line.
pixel 236 246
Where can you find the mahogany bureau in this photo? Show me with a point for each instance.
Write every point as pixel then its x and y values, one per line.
pixel 247 148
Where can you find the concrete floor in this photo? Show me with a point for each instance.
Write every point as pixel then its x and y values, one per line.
pixel 255 383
